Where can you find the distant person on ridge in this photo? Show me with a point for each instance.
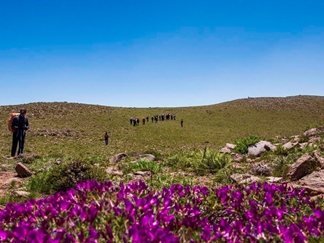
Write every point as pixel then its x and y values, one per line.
pixel 106 138
pixel 19 125
pixel 181 122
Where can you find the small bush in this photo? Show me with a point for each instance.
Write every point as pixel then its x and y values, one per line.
pixel 243 144
pixel 144 165
pixel 67 175
pixel 211 162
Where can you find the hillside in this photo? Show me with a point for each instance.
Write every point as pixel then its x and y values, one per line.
pixel 61 129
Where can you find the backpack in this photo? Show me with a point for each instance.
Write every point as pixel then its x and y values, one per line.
pixel 11 117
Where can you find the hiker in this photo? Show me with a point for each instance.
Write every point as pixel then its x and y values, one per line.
pixel 106 138
pixel 19 125
pixel 181 122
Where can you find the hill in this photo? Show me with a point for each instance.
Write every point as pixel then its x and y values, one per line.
pixel 61 129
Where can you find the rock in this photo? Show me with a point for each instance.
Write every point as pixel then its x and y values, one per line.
pixel 317 155
pixel 12 181
pixel 312 132
pixel 315 179
pixel 260 147
pixel 118 157
pixel 148 157
pixel 314 139
pixel 117 173
pixel 143 173
pixel 22 170
pixel 272 179
pixel 22 193
pixel 225 150
pixel 303 166
pixel 308 190
pixel 228 148
pixel 262 169
pixel 237 157
pixel 303 145
pixel 289 145
pixel 244 178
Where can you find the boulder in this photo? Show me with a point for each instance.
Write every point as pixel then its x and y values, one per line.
pixel 22 170
pixel 302 167
pixel 260 147
pixel 117 157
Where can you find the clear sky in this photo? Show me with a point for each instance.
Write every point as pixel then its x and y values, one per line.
pixel 152 53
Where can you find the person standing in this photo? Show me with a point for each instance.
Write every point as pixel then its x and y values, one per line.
pixel 181 122
pixel 106 138
pixel 19 126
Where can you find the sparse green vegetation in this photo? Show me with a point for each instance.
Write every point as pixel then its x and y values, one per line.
pixel 62 133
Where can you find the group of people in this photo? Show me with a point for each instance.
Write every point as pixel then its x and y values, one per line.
pixel 136 121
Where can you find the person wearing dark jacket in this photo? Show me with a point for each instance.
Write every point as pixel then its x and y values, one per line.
pixel 19 125
pixel 106 138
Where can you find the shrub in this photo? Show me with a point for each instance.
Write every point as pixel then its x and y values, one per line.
pixel 68 175
pixel 211 162
pixel 145 165
pixel 243 144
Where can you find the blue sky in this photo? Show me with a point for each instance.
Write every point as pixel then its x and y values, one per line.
pixel 148 53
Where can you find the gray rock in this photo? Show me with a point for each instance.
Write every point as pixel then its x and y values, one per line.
pixel 117 158
pixel 260 147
